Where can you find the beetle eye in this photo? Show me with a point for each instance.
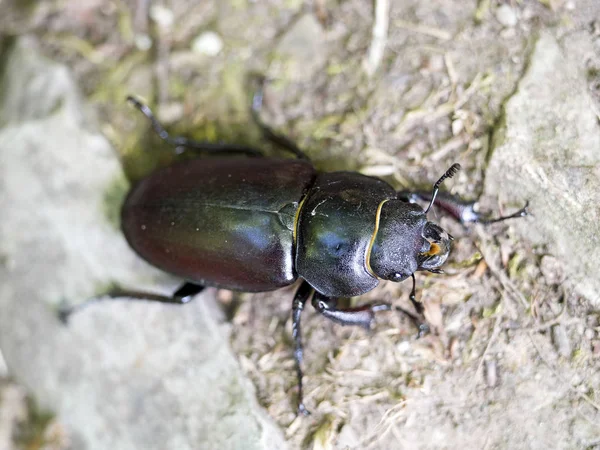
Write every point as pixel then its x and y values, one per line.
pixel 398 277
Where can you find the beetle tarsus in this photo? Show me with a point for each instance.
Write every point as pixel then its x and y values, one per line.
pixel 417 320
pixel 64 312
pixel 524 211
pixel 186 292
pixel 413 297
pixel 424 329
pixel 302 411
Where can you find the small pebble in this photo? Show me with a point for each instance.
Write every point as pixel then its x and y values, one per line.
pixel 589 334
pixel 491 373
pixel 552 270
pixel 208 43
pixel 506 15
pixel 142 41
pixel 170 112
pixel 3 366
pixel 561 341
pixel 348 437
pixel 457 126
pixel 162 16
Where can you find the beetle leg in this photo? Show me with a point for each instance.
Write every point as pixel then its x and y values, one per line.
pixel 413 296
pixel 417 319
pixel 461 210
pixel 300 298
pixel 182 143
pixel 181 296
pixel 278 139
pixel 361 316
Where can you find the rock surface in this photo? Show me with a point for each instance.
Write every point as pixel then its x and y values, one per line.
pixel 516 361
pixel 548 151
pixel 303 48
pixel 120 376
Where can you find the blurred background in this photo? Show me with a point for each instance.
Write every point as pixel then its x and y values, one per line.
pixel 395 89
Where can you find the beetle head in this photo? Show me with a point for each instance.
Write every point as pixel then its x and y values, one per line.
pixel 436 247
pixel 406 242
pixel 397 241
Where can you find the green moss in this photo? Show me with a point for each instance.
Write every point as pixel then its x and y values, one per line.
pixel 107 288
pixel 113 200
pixel 6 46
pixel 516 265
pixel 472 261
pixel 326 431
pixel 31 433
pixel 492 312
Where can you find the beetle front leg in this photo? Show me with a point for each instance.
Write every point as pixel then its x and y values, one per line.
pixel 462 210
pixel 362 315
pixel 300 298
pixel 180 297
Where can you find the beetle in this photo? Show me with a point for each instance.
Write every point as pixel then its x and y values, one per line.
pixel 257 224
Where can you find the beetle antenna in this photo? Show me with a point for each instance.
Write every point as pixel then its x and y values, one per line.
pixel 436 187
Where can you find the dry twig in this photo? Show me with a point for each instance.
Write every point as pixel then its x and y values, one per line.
pixel 379 39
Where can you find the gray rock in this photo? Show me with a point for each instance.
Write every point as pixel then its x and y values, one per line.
pixel 303 48
pixel 506 15
pixel 561 341
pixel 548 151
pixel 122 375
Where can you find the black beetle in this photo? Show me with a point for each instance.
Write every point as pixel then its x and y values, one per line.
pixel 258 224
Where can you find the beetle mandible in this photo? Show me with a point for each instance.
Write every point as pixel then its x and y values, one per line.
pixel 258 224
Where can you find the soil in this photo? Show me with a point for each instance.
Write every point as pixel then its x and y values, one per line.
pixel 513 359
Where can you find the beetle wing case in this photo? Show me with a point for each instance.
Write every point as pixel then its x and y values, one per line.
pixel 335 226
pixel 222 222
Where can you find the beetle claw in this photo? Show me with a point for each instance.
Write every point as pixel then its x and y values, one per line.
pixel 302 411
pixel 63 315
pixel 423 330
pixel 64 312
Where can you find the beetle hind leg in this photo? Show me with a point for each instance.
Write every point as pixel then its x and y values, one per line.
pixel 282 141
pixel 181 296
pixel 182 143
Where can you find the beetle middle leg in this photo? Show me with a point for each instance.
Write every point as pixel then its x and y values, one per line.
pixel 180 297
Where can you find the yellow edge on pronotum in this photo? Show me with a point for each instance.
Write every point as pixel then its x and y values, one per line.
pixel 296 217
pixel 368 256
